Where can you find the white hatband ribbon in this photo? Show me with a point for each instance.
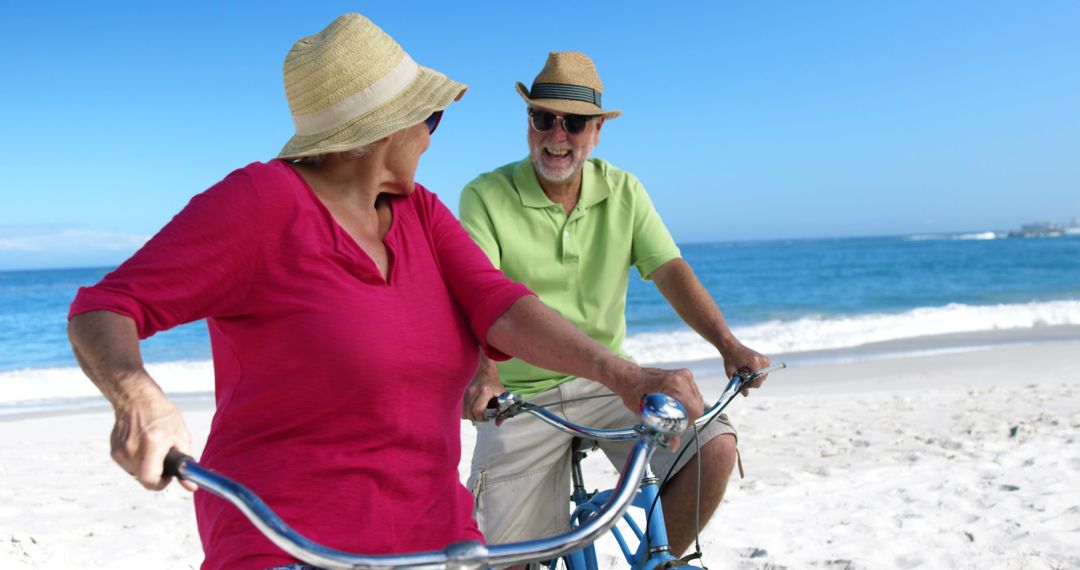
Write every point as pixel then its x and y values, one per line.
pixel 361 102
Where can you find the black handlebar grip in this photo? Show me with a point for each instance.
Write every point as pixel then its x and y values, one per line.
pixel 491 411
pixel 173 461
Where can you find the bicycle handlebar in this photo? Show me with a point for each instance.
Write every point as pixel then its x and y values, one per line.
pixel 508 405
pixel 662 418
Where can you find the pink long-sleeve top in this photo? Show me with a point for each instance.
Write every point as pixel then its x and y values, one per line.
pixel 338 392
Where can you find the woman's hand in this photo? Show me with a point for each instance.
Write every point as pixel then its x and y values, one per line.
pixel 145 430
pixel 634 382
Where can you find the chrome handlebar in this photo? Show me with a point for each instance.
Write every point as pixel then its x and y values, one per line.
pixel 508 405
pixel 662 418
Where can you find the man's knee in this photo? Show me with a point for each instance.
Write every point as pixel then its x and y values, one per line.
pixel 719 455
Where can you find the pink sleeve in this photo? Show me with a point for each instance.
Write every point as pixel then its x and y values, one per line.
pixel 481 290
pixel 199 265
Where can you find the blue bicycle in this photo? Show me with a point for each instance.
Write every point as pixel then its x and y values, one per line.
pixel 642 549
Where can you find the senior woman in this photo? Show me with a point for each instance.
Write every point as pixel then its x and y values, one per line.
pixel 345 306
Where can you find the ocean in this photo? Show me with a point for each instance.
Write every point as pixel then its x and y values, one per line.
pixel 778 296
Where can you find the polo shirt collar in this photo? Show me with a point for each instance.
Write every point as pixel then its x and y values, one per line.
pixel 594 186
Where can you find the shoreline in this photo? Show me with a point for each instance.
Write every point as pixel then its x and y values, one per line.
pixel 930 351
pixel 934 349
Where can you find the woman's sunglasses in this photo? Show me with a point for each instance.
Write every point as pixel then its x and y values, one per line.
pixel 432 122
pixel 544 121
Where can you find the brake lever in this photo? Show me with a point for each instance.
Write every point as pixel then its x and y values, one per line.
pixel 506 405
pixel 738 382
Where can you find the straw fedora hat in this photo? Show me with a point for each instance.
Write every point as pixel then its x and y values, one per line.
pixel 568 83
pixel 352 84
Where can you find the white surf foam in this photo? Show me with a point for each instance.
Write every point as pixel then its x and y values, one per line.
pixel 968 236
pixel 821 332
pixel 42 388
pixel 38 389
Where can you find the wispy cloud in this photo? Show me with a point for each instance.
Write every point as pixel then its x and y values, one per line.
pixel 30 239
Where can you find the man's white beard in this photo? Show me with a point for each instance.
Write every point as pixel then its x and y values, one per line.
pixel 556 174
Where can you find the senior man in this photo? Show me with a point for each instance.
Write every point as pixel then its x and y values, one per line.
pixel 570 227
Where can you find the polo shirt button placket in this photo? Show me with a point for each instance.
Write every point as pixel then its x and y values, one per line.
pixel 570 253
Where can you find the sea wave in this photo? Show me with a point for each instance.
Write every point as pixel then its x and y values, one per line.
pixel 64 388
pixel 968 236
pixel 832 332
pixel 34 389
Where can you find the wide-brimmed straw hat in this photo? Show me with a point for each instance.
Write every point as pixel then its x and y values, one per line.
pixel 352 84
pixel 568 83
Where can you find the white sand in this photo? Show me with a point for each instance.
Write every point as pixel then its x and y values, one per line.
pixel 962 460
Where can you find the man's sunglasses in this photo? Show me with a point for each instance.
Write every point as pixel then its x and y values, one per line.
pixel 544 121
pixel 432 122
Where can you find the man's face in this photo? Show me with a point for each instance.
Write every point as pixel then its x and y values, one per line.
pixel 558 155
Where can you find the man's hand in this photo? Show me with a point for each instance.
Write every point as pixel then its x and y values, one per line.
pixel 144 432
pixel 742 360
pixel 484 386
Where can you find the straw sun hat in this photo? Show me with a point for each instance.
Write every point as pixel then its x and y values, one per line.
pixel 352 84
pixel 569 84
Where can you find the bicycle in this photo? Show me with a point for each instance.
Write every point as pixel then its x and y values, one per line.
pixel 652 551
pixel 662 418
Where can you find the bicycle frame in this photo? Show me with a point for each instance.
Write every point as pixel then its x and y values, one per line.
pixel 652 549
pixel 662 417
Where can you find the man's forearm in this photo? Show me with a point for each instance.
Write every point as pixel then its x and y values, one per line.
pixel 682 289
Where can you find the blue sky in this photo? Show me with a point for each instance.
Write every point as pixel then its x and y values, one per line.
pixel 744 120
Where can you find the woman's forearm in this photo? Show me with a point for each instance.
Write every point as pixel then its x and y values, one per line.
pixel 537 334
pixel 106 345
pixel 147 423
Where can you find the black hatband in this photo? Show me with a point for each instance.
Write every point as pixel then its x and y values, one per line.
pixel 564 91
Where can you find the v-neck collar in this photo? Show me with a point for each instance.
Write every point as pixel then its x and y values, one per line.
pixel 361 264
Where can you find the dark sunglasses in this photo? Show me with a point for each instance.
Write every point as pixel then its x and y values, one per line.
pixel 432 122
pixel 544 121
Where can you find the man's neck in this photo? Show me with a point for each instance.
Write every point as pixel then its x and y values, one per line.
pixel 565 193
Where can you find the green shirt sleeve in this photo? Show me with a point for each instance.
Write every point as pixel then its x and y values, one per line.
pixel 477 221
pixel 653 245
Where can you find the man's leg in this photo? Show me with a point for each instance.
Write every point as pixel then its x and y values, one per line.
pixel 680 499
pixel 521 475
pixel 681 494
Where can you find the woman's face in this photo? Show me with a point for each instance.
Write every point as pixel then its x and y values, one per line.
pixel 403 156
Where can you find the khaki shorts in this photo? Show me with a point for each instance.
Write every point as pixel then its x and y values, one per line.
pixel 521 470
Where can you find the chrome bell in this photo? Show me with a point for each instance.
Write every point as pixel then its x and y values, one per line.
pixel 663 414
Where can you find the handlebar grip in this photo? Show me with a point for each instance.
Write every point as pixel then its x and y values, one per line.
pixel 174 461
pixel 491 411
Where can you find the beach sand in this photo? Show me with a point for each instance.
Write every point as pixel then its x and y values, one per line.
pixel 944 457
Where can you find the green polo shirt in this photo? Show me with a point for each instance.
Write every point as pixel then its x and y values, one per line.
pixel 579 264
